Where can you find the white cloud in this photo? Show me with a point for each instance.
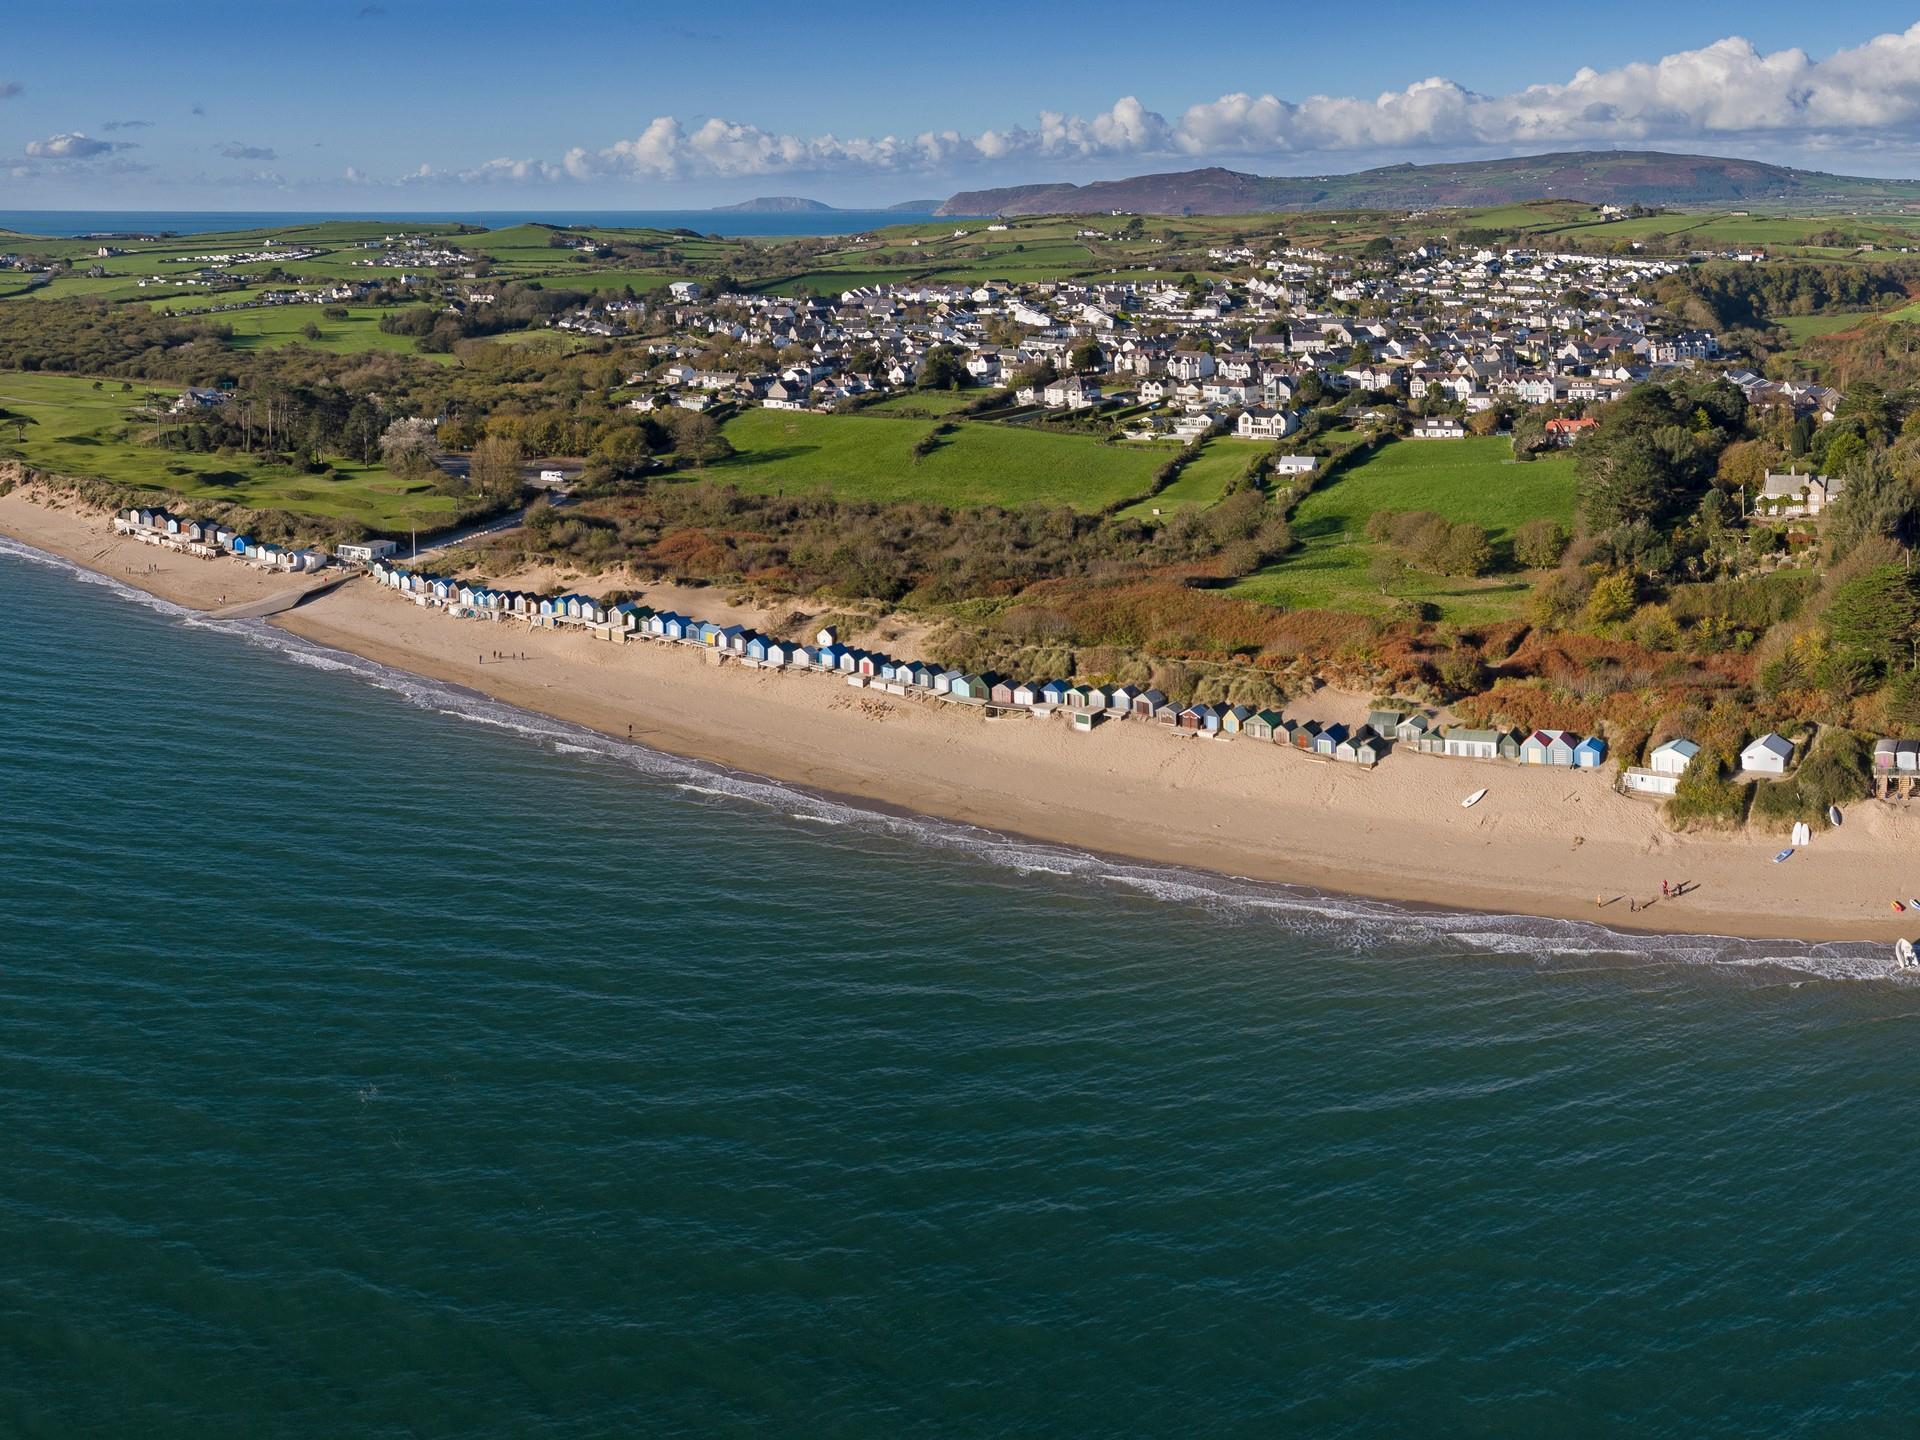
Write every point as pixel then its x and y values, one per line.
pixel 1867 96
pixel 74 147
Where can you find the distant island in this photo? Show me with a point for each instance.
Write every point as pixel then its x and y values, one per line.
pixel 801 205
pixel 1617 177
pixel 774 205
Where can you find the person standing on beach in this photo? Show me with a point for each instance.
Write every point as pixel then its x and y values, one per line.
pixel 1663 887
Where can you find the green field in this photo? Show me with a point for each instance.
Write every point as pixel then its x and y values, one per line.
pixel 931 402
pixel 77 430
pixel 1475 479
pixel 861 457
pixel 275 325
pixel 1202 480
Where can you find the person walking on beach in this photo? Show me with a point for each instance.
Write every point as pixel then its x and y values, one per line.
pixel 1663 887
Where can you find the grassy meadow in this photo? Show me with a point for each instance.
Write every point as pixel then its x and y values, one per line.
pixel 865 457
pixel 75 429
pixel 1475 479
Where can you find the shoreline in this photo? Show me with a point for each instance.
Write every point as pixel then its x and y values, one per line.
pixel 1546 843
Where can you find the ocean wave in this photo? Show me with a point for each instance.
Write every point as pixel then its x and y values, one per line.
pixel 1348 922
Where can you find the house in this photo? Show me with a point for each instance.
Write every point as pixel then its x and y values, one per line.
pixel 1257 422
pixel 365 552
pixel 1440 427
pixel 1769 754
pixel 1295 464
pixel 1797 494
pixel 1071 393
pixel 1562 431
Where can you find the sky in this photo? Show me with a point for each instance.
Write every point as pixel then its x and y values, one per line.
pixel 595 104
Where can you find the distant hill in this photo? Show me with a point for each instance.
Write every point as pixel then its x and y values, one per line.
pixel 915 207
pixel 773 205
pixel 1618 177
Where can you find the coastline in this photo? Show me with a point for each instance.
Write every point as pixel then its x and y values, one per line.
pixel 1545 842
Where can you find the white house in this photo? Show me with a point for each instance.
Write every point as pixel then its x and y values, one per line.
pixel 1259 423
pixel 1295 464
pixel 1443 427
pixel 1766 755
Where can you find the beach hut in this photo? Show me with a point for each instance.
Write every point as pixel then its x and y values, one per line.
pixel 1081 698
pixel 757 648
pixel 1001 693
pixel 1768 754
pixel 1362 747
pixel 871 665
pixel 1384 722
pixel 1671 757
pixel 827 657
pixel 1196 716
pixel 1305 733
pixel 1122 698
pixel 968 687
pixel 1029 694
pixel 1885 753
pixel 1148 703
pixel 1908 756
pixel 1260 725
pixel 1467 744
pixel 1589 753
pixel 1099 698
pixel 629 615
pixel 1234 718
pixel 847 662
pixel 1167 713
pixel 1546 747
pixel 1084 720
pixel 1411 730
pixel 1328 741
pixel 1054 692
pixel 1509 744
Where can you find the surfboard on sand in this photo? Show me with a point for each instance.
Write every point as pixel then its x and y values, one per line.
pixel 1472 800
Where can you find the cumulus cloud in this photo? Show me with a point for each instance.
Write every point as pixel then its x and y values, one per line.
pixel 10 88
pixel 1727 91
pixel 74 147
pixel 234 150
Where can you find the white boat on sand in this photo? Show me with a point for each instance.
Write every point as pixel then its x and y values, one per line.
pixel 1474 799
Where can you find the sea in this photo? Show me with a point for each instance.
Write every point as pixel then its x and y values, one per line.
pixel 377 1059
pixel 706 222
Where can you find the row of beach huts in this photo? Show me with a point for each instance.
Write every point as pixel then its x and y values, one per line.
pixel 208 540
pixel 1085 706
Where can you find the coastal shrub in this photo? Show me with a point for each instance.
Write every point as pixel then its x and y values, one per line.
pixel 1706 796
pixel 1839 771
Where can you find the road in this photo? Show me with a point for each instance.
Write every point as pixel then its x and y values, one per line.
pixel 446 540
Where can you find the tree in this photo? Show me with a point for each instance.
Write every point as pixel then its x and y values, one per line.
pixel 1875 503
pixel 494 467
pixel 1654 451
pixel 942 369
pixel 1611 600
pixel 408 447
pixel 1540 543
pixel 1085 355
pixel 1876 616
pixel 1466 551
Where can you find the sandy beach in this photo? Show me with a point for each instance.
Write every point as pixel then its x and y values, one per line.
pixel 1543 842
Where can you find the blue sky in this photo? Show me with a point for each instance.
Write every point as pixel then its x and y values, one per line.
pixel 314 104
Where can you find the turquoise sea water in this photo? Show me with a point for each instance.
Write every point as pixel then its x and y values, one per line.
pixel 376 1060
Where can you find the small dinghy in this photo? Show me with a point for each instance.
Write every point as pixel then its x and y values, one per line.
pixel 1786 854
pixel 1472 800
pixel 1903 955
pixel 1833 814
